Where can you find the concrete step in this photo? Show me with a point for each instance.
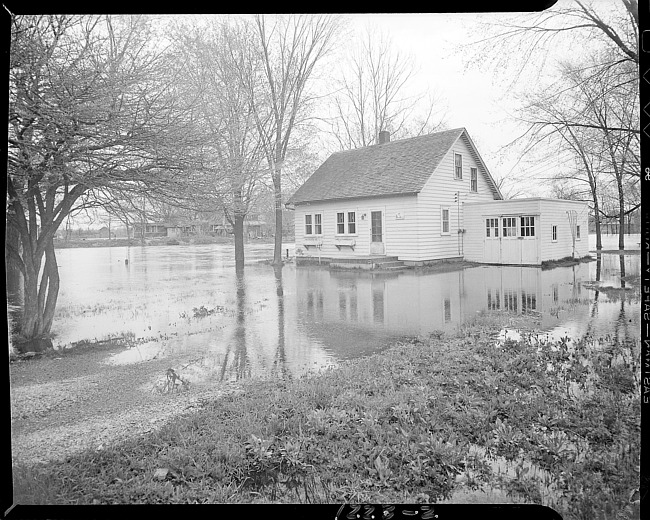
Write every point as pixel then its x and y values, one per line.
pixel 390 264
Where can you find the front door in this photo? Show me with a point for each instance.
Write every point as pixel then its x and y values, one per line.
pixel 376 233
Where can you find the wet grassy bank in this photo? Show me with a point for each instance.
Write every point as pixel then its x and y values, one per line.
pixel 421 422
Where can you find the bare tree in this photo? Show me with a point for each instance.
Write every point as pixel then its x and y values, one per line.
pixel 592 110
pixel 231 147
pixel 586 24
pixel 373 96
pixel 595 119
pixel 89 107
pixel 278 67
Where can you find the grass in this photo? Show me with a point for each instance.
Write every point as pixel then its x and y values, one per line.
pixel 564 262
pixel 413 424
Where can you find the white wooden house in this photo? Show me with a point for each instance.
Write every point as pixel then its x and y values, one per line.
pixel 409 200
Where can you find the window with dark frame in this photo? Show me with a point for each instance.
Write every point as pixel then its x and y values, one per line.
pixel 527 226
pixel 492 227
pixel 340 223
pixel 577 232
pixel 509 227
pixel 554 234
pixel 474 179
pixel 458 165
pixel 346 223
pixel 445 220
pixel 352 222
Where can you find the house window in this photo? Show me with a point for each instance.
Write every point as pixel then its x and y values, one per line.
pixel 509 227
pixel 577 232
pixel 554 233
pixel 473 179
pixel 313 224
pixel 458 165
pixel 340 223
pixel 492 227
pixel 444 217
pixel 527 226
pixel 352 222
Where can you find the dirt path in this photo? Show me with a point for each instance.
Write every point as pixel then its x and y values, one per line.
pixel 61 405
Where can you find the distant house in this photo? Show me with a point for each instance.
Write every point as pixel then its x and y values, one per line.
pixel 253 228
pixel 151 230
pixel 423 200
pixel 104 232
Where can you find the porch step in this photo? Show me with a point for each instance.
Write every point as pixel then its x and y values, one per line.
pixel 390 265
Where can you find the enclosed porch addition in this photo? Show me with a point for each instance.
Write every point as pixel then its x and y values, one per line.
pixel 525 231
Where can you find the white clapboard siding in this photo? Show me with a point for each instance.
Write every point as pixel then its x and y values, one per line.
pixel 439 191
pixel 555 213
pixel 399 226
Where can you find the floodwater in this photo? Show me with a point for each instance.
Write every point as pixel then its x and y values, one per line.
pixel 186 304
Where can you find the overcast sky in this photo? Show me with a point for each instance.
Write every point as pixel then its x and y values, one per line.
pixel 476 97
pixel 473 95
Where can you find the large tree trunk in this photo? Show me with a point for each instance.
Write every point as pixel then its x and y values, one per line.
pixel 621 216
pixel 238 230
pixel 599 240
pixel 39 300
pixel 277 189
pixel 13 274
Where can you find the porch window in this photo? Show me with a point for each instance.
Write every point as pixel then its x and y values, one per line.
pixel 474 179
pixel 444 218
pixel 458 165
pixel 352 223
pixel 492 227
pixel 308 225
pixel 554 238
pixel 527 226
pixel 340 223
pixel 318 226
pixel 509 227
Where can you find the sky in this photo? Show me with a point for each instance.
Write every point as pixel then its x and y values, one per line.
pixel 475 97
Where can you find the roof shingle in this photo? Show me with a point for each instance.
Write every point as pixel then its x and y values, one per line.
pixel 393 168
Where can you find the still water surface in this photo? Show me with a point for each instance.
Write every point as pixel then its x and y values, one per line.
pixel 186 304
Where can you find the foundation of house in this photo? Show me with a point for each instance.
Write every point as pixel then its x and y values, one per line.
pixel 370 262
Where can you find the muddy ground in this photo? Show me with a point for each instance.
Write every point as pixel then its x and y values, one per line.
pixel 64 403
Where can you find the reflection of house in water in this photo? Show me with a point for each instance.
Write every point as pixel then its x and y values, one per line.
pixel 412 302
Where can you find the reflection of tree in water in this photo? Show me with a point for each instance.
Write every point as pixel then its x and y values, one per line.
pixel 622 342
pixel 280 362
pixel 240 363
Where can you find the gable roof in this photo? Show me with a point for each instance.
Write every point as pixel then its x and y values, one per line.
pixel 394 168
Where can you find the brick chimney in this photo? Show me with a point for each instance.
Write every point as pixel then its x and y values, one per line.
pixel 384 137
